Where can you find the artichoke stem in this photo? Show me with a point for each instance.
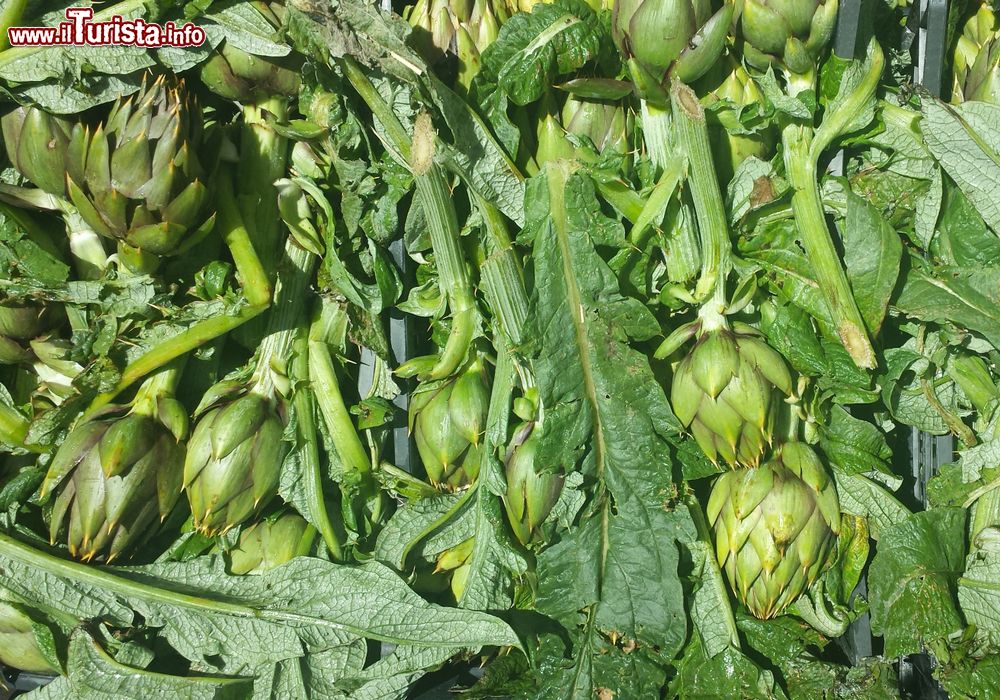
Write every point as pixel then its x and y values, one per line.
pixel 713 227
pixel 435 197
pixel 835 122
pixel 305 412
pixel 193 338
pixel 798 83
pixel 810 219
pixel 276 348
pixel 986 512
pixel 257 290
pixel 264 155
pixel 657 132
pixel 344 435
pixel 442 223
pixel 503 279
pixel 399 139
pixel 254 278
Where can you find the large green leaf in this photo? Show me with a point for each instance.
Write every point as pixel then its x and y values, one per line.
pixel 241 622
pixel 94 675
pixel 533 49
pixel 872 251
pixel 964 140
pixel 912 579
pixel 604 407
pixel 966 296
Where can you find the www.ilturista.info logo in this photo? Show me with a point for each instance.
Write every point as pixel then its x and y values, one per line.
pixel 81 30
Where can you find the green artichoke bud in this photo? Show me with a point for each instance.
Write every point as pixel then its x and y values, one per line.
pixel 604 123
pixel 433 26
pixel 457 562
pixel 787 34
pixel 36 144
pixel 116 476
pixel 976 62
pixel 234 457
pixel 660 39
pixel 18 645
pixel 234 74
pixel 54 369
pixel 136 177
pixel 271 543
pixel 774 527
pixel 723 391
pixel 447 420
pixel 530 495
pixel 20 323
pixel 552 142
pixel 730 89
pixel 476 27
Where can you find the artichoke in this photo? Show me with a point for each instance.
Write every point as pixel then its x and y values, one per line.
pixel 456 562
pixel 976 62
pixel 18 644
pixel 271 543
pixel 660 39
pixel 530 495
pixel 465 26
pixel 433 24
pixel 730 90
pixel 604 123
pixel 788 34
pixel 234 456
pixel 36 144
pixel 234 74
pixel 136 177
pixel 54 370
pixel 774 527
pixel 447 420
pixel 20 323
pixel 723 391
pixel 118 474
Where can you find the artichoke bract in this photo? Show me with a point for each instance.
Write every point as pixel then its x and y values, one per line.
pixel 660 39
pixel 774 527
pixel 787 34
pixel 18 646
pixel 976 61
pixel 271 543
pixel 730 88
pixel 530 495
pixel 36 143
pixel 234 456
pixel 724 392
pixel 456 563
pixel 604 123
pixel 118 475
pixel 136 177
pixel 20 323
pixel 447 419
